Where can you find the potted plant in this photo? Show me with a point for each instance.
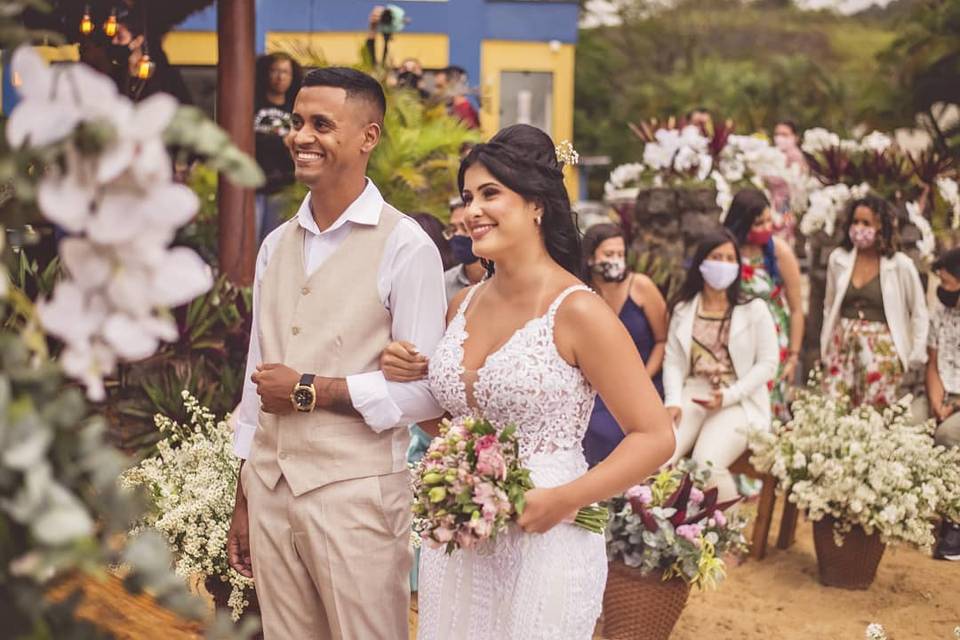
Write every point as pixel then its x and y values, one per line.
pixel 191 485
pixel 664 537
pixel 865 478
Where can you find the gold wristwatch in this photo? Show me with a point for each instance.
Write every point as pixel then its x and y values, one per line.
pixel 304 396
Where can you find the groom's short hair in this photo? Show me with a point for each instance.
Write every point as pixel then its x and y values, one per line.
pixel 358 85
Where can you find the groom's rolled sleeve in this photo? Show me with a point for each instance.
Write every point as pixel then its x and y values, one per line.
pixel 412 279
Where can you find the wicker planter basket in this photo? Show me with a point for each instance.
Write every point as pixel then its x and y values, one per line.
pixel 637 607
pixel 852 566
pixel 220 591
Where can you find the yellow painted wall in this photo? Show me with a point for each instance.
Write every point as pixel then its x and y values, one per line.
pixel 191 47
pixel 64 53
pixel 431 49
pixel 497 56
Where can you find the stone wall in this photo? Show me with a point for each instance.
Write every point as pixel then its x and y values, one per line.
pixel 668 225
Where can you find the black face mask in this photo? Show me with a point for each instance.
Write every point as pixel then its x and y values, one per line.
pixel 948 298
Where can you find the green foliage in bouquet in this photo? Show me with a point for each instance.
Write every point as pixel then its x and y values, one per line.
pixel 675 526
pixel 864 467
pixel 191 484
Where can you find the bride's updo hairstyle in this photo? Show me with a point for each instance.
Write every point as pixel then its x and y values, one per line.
pixel 524 159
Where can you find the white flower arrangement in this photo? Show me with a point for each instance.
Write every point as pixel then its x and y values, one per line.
pixel 624 182
pixel 819 139
pixel 110 186
pixel 927 244
pixel 862 467
pixel 826 205
pixel 876 141
pixel 192 483
pixel 949 191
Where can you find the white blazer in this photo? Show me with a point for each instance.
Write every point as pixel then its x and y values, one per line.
pixel 904 304
pixel 753 349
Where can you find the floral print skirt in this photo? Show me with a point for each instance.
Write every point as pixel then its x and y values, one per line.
pixel 863 365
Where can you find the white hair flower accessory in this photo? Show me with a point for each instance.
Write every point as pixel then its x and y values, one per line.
pixel 566 154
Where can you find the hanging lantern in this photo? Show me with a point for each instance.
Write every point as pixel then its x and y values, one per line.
pixel 86 22
pixel 110 26
pixel 146 67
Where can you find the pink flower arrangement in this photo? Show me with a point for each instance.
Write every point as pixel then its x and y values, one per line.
pixel 470 484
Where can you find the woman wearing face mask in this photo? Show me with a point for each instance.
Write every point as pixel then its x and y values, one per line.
pixel 771 272
pixel 875 319
pixel 721 353
pixel 640 307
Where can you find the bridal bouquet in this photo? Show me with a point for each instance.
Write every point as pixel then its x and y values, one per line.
pixel 470 484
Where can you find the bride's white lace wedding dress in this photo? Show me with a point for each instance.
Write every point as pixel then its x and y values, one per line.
pixel 521 586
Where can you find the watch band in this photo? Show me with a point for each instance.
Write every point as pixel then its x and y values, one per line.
pixel 307 379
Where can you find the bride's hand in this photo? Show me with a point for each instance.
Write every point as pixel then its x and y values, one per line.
pixel 544 510
pixel 401 362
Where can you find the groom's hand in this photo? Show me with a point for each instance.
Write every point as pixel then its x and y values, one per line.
pixel 275 383
pixel 238 538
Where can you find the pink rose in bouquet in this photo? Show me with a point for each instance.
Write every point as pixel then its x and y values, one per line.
pixel 470 484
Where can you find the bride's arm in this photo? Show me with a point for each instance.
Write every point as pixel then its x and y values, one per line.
pixel 590 336
pixel 402 361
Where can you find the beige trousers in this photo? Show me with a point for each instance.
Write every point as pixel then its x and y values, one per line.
pixel 333 563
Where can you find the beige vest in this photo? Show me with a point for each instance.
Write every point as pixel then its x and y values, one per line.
pixel 333 324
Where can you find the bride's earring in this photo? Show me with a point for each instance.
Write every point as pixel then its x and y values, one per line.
pixel 538 220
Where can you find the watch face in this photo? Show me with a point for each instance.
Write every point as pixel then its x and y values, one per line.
pixel 302 397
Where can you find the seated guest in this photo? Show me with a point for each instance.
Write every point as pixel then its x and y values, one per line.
pixel 943 378
pixel 721 356
pixel 641 308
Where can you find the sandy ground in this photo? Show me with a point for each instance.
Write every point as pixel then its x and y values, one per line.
pixel 778 598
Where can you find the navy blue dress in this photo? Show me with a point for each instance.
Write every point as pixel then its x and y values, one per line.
pixel 604 434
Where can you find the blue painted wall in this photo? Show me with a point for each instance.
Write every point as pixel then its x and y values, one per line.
pixel 467 22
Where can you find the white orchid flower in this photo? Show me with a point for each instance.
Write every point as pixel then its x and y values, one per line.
pixel 70 314
pixel 88 265
pixel 89 363
pixel 182 276
pixel 66 197
pixel 138 144
pixel 129 338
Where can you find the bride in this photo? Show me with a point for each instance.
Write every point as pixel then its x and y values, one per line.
pixel 531 346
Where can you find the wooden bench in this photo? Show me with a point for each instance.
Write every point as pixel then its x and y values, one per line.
pixel 768 499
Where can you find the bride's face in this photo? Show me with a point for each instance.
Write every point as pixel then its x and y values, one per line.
pixel 499 219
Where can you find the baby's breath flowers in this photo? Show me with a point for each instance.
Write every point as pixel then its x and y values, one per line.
pixel 192 483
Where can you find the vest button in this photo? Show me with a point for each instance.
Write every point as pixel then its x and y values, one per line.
pixel 283 455
pixel 305 290
pixel 295 330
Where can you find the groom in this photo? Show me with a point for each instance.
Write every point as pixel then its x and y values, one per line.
pixel 322 515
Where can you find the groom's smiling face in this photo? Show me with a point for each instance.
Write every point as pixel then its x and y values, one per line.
pixel 498 218
pixel 332 135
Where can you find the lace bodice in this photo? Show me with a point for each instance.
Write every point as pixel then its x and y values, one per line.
pixel 525 382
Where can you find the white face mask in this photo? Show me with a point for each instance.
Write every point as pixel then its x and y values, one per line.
pixel 719 275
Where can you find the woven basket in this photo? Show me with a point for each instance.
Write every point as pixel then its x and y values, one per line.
pixel 852 566
pixel 637 607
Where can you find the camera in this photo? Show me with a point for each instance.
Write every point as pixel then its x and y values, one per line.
pixel 392 20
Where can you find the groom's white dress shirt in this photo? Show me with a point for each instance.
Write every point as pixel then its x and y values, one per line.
pixel 411 287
